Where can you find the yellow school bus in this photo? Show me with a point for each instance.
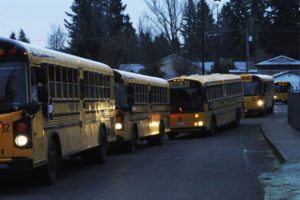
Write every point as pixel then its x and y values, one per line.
pixel 204 103
pixel 281 91
pixel 52 105
pixel 259 93
pixel 142 108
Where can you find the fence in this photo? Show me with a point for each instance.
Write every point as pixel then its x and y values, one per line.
pixel 294 109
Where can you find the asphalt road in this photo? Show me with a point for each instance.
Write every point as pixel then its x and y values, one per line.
pixel 224 166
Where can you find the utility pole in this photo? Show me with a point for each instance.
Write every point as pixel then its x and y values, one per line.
pixel 203 37
pixel 247 49
pixel 218 36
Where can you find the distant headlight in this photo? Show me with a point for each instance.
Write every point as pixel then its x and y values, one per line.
pixel 275 97
pixel 119 126
pixel 260 102
pixel 21 140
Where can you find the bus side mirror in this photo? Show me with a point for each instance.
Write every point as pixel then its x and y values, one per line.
pixel 31 108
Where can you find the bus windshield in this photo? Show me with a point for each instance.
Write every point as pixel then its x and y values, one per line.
pixel 282 88
pixel 251 88
pixel 13 86
pixel 186 100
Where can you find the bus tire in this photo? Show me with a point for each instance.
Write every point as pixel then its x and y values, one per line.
pixel 100 152
pixel 272 109
pixel 237 118
pixel 161 135
pixel 131 146
pixel 51 169
pixel 171 136
pixel 213 127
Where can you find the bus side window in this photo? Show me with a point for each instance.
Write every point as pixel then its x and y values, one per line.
pixel 51 81
pixel 58 81
pixel 39 88
pixel 64 81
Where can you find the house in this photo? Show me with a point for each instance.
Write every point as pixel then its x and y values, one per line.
pixel 174 64
pixel 292 77
pixel 240 68
pixel 277 65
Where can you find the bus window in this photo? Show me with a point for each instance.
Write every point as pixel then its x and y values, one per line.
pixel 13 85
pixel 70 82
pixel 58 81
pixel 91 85
pixel 85 84
pixel 64 82
pixel 251 88
pixel 188 99
pixel 75 83
pixel 51 80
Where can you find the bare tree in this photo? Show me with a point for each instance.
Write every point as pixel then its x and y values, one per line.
pixel 56 38
pixel 168 18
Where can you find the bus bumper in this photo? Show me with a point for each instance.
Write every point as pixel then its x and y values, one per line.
pixel 176 131
pixel 16 165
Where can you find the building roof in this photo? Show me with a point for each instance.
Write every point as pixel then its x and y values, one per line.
pixel 280 60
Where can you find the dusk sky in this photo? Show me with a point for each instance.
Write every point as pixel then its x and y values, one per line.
pixel 35 17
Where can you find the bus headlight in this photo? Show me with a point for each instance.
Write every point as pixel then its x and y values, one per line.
pixel 118 126
pixel 21 140
pixel 200 123
pixel 260 102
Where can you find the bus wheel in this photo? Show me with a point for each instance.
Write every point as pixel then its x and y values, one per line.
pixel 160 137
pixel 237 118
pixel 272 109
pixel 100 152
pixel 50 170
pixel 213 127
pixel 131 146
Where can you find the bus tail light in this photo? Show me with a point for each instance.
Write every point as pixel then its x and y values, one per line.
pixel 1 52
pixel 12 51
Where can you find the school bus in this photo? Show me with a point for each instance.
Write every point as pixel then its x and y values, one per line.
pixel 204 103
pixel 142 108
pixel 281 91
pixel 259 93
pixel 52 105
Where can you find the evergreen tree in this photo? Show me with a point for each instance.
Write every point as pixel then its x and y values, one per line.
pixel 162 47
pixel 22 37
pixel 192 43
pixel 13 36
pixel 192 30
pixel 100 31
pixel 282 36
pixel 149 55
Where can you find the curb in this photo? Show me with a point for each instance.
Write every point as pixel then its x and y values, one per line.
pixel 275 151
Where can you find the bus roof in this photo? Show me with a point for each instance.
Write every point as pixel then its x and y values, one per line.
pixel 142 79
pixel 260 76
pixel 210 79
pixel 38 55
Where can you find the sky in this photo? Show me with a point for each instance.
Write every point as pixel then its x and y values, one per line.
pixel 36 17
